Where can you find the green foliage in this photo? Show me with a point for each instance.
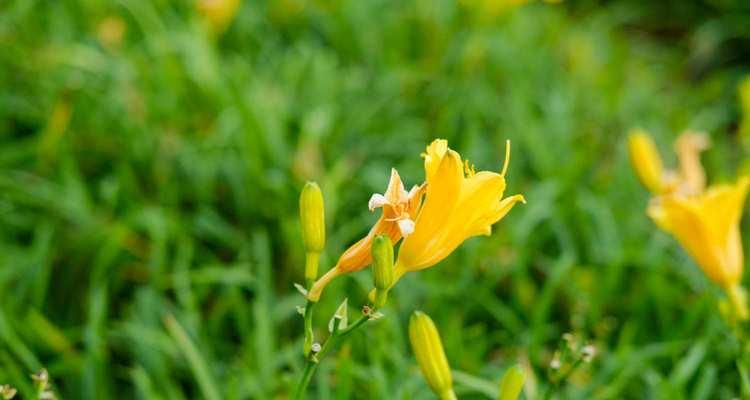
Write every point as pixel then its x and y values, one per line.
pixel 149 234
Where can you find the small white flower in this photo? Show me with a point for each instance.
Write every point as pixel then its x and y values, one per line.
pixel 588 352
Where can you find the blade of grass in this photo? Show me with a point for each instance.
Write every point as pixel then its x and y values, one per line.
pixel 197 363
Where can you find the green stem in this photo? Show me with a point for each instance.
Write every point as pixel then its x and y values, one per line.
pixel 562 378
pixel 307 375
pixel 313 359
pixel 311 268
pixel 309 335
pixel 338 335
pixel 354 326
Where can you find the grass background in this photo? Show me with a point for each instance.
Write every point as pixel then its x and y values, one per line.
pixel 148 191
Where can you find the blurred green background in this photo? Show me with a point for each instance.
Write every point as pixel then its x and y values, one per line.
pixel 151 162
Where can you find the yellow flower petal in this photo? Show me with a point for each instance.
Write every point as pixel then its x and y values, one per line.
pixel 707 226
pixel 434 156
pixel 645 159
pixel 689 146
pixel 456 208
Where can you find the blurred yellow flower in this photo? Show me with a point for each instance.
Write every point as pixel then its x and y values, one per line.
pixel 707 226
pixel 397 220
pixel 428 349
pixel 218 14
pixel 688 179
pixel 111 31
pixel 57 125
pixel 459 204
pixel 704 220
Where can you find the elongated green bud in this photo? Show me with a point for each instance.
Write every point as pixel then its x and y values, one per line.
pixel 512 383
pixel 428 349
pixel 382 268
pixel 312 216
pixel 312 219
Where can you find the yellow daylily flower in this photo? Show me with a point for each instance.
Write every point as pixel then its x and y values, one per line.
pixel 707 226
pixel 705 221
pixel 396 221
pixel 459 204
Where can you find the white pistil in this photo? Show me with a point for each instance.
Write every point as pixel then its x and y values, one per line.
pixel 406 225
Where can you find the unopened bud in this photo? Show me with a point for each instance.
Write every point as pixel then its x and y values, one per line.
pixel 646 160
pixel 511 384
pixel 382 268
pixel 428 349
pixel 312 219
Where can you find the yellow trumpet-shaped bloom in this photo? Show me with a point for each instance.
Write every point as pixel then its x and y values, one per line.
pixel 459 204
pixel 706 221
pixel 707 226
pixel 396 221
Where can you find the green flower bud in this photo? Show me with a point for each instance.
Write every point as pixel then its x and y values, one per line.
pixel 428 349
pixel 382 268
pixel 312 219
pixel 511 384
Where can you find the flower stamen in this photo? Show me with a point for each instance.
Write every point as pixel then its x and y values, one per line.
pixel 469 169
pixel 507 158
